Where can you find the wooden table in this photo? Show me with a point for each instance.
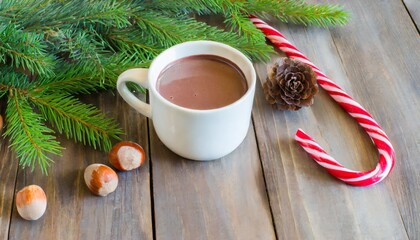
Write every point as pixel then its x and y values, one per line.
pixel 269 187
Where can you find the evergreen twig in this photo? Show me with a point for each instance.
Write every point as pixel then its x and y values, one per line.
pixel 71 79
pixel 14 50
pixel 82 122
pixel 295 11
pixel 299 12
pixel 31 139
pixel 43 15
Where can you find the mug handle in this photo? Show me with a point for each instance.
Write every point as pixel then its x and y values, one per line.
pixel 138 76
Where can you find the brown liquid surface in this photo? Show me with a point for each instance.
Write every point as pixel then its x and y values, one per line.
pixel 202 82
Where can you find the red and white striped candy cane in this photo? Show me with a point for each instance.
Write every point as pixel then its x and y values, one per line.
pixel 378 136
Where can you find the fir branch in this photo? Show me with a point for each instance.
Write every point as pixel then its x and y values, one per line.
pixel 46 15
pixel 83 122
pixel 164 30
pixel 11 10
pixel 241 24
pixel 13 80
pixel 185 7
pixel 74 79
pixel 30 138
pixel 83 54
pixel 299 12
pixel 168 31
pixel 118 63
pixel 14 48
pixel 84 50
pixel 131 42
pixel 77 79
pixel 295 11
pixel 75 44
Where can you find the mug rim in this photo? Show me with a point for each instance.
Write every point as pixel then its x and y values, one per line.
pixel 249 91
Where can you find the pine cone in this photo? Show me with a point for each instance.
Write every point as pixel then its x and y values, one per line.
pixel 290 85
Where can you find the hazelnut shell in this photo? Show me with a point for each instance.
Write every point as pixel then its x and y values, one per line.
pixel 100 179
pixel 126 156
pixel 31 202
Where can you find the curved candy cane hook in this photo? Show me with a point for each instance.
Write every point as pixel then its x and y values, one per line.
pixel 378 136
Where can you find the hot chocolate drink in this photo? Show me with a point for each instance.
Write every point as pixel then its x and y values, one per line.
pixel 202 82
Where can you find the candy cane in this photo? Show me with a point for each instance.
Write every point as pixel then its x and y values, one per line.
pixel 378 136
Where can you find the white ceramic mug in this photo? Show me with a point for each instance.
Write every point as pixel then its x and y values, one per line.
pixel 190 133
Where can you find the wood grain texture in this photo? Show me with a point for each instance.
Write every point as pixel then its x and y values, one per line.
pixel 8 173
pixel 413 7
pixel 374 59
pixel 73 212
pixel 220 199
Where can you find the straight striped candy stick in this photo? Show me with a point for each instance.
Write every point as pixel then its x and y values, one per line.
pixel 378 136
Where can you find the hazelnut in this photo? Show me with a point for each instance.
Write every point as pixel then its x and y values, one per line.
pixel 126 156
pixel 31 202
pixel 100 179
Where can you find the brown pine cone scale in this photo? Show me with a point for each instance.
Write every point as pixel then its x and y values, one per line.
pixel 290 85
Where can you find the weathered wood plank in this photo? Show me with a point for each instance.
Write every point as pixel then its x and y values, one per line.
pixel 8 173
pixel 391 88
pixel 413 7
pixel 220 199
pixel 72 211
pixel 374 59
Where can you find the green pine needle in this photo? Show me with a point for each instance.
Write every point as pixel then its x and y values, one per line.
pixel 30 138
pixel 166 31
pixel 71 79
pixel 82 122
pixel 42 15
pixel 133 42
pixel 14 50
pixel 299 12
pixel 180 7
